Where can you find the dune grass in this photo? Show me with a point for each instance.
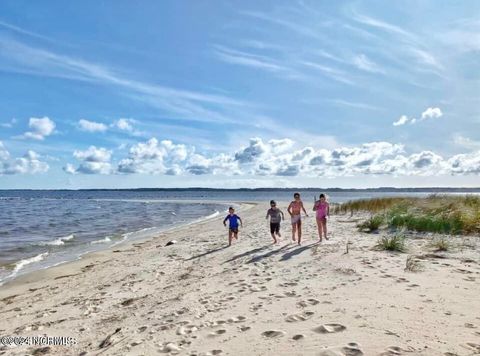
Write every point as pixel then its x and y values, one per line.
pixel 440 244
pixel 372 224
pixel 392 243
pixel 444 214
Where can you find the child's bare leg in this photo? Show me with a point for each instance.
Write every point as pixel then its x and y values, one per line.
pixel 319 226
pixel 236 235
pixel 325 230
pixel 230 237
pixel 274 238
pixel 299 233
pixel 294 229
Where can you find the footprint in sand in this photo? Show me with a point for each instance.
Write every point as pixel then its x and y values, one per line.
pixel 298 337
pixel 258 289
pixel 274 333
pixel 351 349
pixel 392 350
pixel 473 346
pixel 306 303
pixel 329 328
pixel 237 319
pixel 299 317
pixel 217 333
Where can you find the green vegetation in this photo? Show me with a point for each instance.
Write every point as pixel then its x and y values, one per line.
pixel 444 214
pixel 392 243
pixel 372 224
pixel 441 244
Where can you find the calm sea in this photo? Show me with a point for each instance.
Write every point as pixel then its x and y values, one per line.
pixel 39 229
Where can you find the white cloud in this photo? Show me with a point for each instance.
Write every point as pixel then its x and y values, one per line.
pixel 401 121
pixel 93 161
pixel 432 113
pixel 91 126
pixel 8 124
pixel 39 128
pixel 154 157
pixel 93 154
pixel 4 154
pixel 364 63
pixel 274 158
pixel 30 163
pixel 124 124
pixel 429 113
pixel 465 142
pixel 465 163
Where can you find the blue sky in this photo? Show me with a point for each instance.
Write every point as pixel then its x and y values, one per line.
pixel 99 94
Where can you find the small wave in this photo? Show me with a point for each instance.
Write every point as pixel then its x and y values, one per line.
pixel 102 241
pixel 22 263
pixel 211 216
pixel 58 242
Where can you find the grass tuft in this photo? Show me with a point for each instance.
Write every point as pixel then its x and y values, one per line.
pixel 372 224
pixel 392 243
pixel 412 264
pixel 441 244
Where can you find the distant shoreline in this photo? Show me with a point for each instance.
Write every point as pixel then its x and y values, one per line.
pixel 193 189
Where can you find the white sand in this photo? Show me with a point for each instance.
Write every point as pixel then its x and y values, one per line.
pixel 199 298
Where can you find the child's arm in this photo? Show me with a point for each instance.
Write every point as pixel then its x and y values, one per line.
pixel 314 206
pixel 224 220
pixel 289 209
pixel 328 210
pixel 283 216
pixel 303 208
pixel 241 222
pixel 266 217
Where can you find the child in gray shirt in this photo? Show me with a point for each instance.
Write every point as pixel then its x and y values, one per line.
pixel 276 216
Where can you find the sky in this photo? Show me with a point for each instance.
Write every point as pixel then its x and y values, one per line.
pixel 122 94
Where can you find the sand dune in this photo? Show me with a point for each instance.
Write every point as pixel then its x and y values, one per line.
pixel 198 297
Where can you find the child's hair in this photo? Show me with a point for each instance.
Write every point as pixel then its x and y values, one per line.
pixel 231 208
pixel 272 202
pixel 322 195
pixel 296 195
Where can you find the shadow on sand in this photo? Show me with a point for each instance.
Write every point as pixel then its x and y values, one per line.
pixel 271 253
pixel 245 254
pixel 206 253
pixel 297 251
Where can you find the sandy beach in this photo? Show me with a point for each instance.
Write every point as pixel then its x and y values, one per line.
pixel 198 297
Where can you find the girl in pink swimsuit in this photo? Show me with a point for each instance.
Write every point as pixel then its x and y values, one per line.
pixel 323 210
pixel 295 209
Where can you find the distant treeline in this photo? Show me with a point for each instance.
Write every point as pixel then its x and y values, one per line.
pixel 380 189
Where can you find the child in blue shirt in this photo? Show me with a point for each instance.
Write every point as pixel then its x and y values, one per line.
pixel 233 220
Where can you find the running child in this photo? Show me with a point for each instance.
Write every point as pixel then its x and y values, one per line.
pixel 322 208
pixel 276 216
pixel 233 220
pixel 295 209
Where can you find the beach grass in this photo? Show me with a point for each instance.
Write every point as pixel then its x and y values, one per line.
pixel 392 243
pixel 444 214
pixel 441 243
pixel 372 224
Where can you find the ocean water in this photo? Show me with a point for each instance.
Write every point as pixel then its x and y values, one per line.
pixel 43 230
pixel 39 229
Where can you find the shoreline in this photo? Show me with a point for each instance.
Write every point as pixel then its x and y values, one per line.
pixel 37 274
pixel 199 297
pixel 118 244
